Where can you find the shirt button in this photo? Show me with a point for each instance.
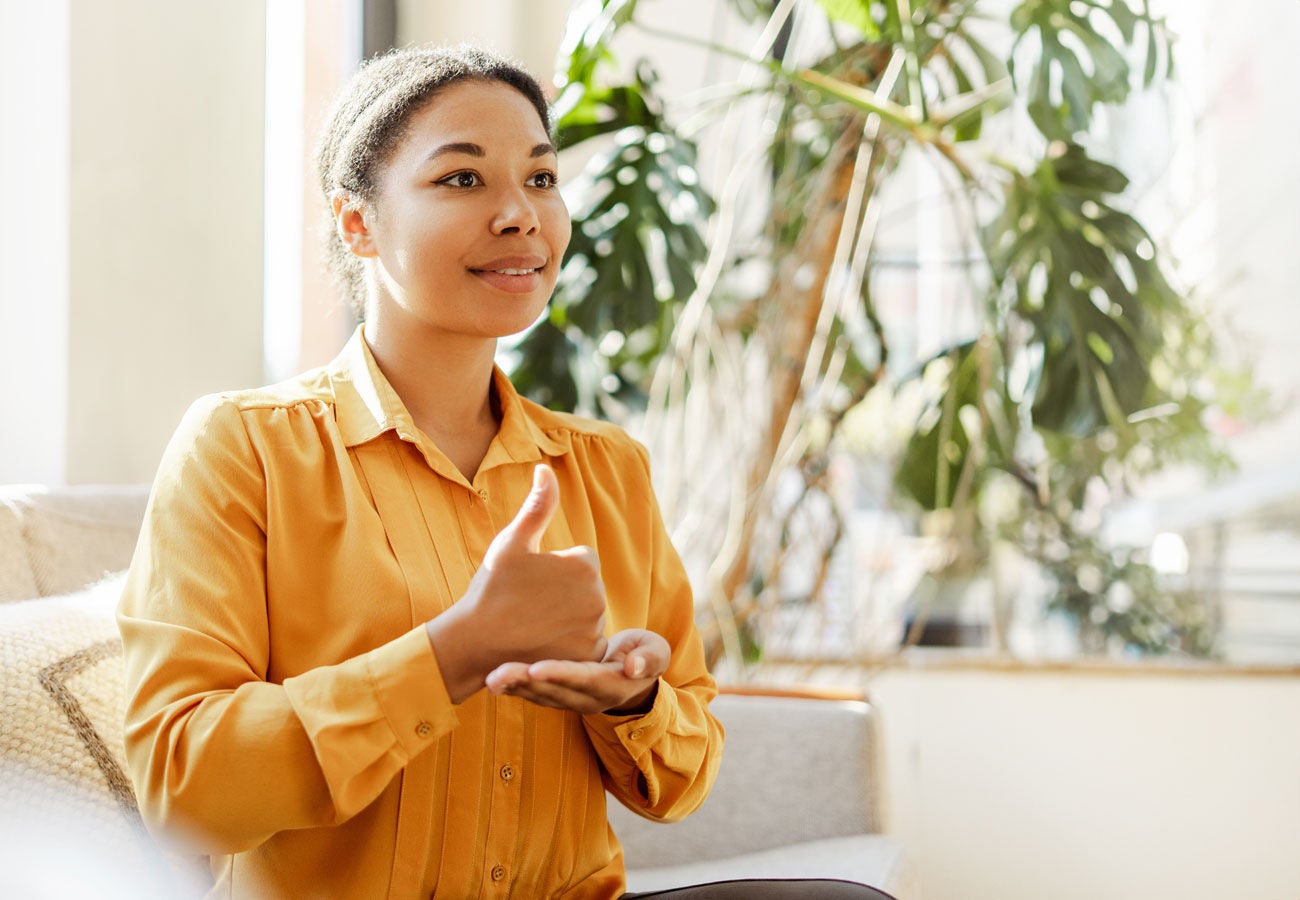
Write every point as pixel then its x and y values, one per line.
pixel 423 729
pixel 507 772
pixel 635 733
pixel 482 493
pixel 498 873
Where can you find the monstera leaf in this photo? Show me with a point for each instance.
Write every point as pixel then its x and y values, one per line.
pixel 1084 279
pixel 1083 352
pixel 637 233
pixel 971 413
pixel 855 13
pixel 1077 65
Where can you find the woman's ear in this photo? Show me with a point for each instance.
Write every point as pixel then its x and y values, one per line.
pixel 351 215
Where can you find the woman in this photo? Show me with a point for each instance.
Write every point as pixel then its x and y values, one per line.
pixel 390 629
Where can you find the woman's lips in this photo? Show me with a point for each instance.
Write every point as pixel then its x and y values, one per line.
pixel 514 274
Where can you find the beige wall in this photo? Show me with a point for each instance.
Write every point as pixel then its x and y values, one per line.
pixel 528 30
pixel 137 282
pixel 165 283
pixel 133 281
pixel 1052 785
pixel 34 241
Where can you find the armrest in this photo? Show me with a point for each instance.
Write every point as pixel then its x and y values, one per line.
pixel 799 765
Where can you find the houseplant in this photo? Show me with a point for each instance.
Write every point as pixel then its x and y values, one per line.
pixel 740 331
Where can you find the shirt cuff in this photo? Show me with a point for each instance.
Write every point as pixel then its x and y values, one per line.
pixel 390 702
pixel 637 733
pixel 408 684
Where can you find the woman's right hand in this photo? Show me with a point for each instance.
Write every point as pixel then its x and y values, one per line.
pixel 522 605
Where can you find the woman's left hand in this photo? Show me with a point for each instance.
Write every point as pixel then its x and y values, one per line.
pixel 621 683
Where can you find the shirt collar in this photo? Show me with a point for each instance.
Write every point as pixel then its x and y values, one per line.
pixel 366 406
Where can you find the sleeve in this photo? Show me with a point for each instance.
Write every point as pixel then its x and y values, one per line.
pixel 221 758
pixel 662 764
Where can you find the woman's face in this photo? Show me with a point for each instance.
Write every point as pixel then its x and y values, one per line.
pixel 467 228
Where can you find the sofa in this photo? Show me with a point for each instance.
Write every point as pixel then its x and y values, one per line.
pixel 798 794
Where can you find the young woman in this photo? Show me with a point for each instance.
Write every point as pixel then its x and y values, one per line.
pixel 391 630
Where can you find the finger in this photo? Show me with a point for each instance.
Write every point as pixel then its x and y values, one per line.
pixel 578 676
pixel 559 697
pixel 581 552
pixel 507 676
pixel 524 533
pixel 624 642
pixel 643 654
pixel 635 665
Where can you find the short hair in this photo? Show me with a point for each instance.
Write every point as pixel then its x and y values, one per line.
pixel 371 116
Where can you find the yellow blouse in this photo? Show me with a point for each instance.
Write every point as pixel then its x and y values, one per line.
pixel 286 715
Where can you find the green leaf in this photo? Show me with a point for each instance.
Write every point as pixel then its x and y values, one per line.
pixel 1149 72
pixel 632 257
pixel 548 378
pixel 860 97
pixel 586 39
pixel 856 13
pixel 930 468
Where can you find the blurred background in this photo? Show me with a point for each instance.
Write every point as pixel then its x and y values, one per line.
pixel 1033 484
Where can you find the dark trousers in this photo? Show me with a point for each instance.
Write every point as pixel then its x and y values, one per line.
pixel 769 889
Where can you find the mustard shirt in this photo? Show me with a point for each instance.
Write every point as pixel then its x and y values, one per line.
pixel 285 711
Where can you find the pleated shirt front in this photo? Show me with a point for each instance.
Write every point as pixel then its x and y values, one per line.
pixel 286 713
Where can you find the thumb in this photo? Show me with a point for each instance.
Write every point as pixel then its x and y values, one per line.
pixel 524 533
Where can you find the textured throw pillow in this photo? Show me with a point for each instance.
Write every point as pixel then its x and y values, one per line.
pixel 61 707
pixel 65 798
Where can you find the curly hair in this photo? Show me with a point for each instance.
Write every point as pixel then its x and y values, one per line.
pixel 370 118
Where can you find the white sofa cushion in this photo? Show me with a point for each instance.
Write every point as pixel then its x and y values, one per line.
pixel 71 536
pixel 17 581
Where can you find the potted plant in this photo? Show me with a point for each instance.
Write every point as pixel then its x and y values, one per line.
pixel 739 329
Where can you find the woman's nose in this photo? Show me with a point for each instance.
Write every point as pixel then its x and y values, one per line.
pixel 516 215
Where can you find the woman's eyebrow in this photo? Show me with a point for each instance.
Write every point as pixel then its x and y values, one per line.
pixel 470 149
pixel 463 147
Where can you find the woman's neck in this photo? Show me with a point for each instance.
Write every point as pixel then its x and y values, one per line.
pixel 445 382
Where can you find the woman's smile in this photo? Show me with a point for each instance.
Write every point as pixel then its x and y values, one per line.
pixel 513 274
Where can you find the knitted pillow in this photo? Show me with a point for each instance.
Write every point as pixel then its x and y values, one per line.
pixel 65 798
pixel 61 706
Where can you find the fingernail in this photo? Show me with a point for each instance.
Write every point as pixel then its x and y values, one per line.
pixel 638 667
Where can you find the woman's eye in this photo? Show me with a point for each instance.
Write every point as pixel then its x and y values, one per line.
pixel 544 180
pixel 462 180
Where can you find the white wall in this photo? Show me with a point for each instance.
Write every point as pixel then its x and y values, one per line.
pixel 1077 785
pixel 529 32
pixel 132 279
pixel 165 291
pixel 34 88
pixel 1252 131
pixel 1212 159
